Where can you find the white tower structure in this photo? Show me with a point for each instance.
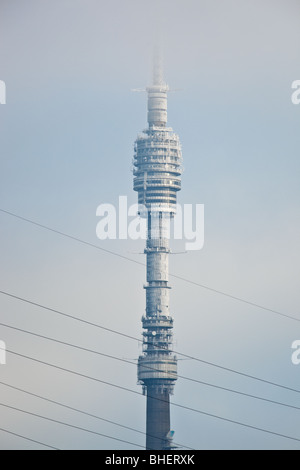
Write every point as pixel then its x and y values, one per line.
pixel 157 178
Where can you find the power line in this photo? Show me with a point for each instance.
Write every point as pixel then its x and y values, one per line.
pixel 71 237
pixel 203 286
pixel 149 368
pixel 28 439
pixel 96 325
pixel 81 411
pixel 71 408
pixel 242 374
pixel 238 423
pixel 69 425
pixel 239 299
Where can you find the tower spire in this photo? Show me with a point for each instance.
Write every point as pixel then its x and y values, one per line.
pixel 157 93
pixel 158 75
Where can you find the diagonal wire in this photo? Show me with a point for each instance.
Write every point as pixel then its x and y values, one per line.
pixel 149 367
pixel 68 425
pixel 114 253
pixel 28 439
pixel 204 413
pixel 140 341
pixel 82 412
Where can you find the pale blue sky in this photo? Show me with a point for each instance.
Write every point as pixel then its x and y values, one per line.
pixel 66 143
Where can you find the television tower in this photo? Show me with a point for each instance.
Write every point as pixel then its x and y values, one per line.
pixel 157 178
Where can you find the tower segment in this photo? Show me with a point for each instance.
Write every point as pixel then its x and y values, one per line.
pixel 157 178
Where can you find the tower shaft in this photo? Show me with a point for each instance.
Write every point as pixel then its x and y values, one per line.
pixel 158 419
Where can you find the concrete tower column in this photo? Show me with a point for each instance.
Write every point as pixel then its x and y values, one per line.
pixel 157 178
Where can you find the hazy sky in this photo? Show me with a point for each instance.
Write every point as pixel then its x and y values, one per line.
pixel 66 141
